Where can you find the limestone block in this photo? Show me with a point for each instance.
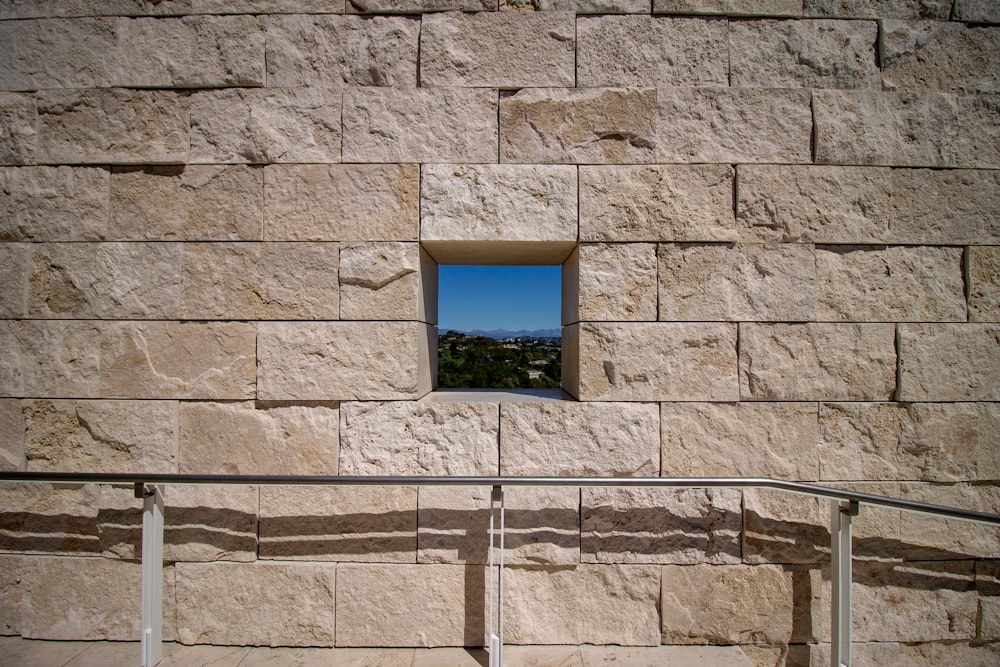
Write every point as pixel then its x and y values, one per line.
pixel 178 360
pixel 658 362
pixel 949 362
pixel 988 587
pixel 58 53
pixel 804 54
pixel 549 656
pixel 210 523
pixel 407 438
pixel 977 11
pixel 896 284
pixel 113 125
pixel 661 525
pixel 418 6
pixel 111 7
pixel 906 129
pixel 106 280
pixel 938 55
pixel 410 605
pixel 53 203
pixel 277 604
pixel 18 128
pixel 10 599
pixel 274 125
pixel 420 125
pixel 983 276
pixel 580 126
pixel 49 358
pixel 730 7
pixel 657 203
pixel 265 6
pixel 739 282
pixel 15 269
pixel 192 203
pixel 617 281
pixel 929 538
pixel 341 523
pixel 873 9
pixel 306 50
pixel 383 281
pixel 813 204
pixel 739 440
pixel 498 50
pixel 587 604
pixel 11 435
pixel 733 125
pixel 747 655
pixel 578 6
pixel 949 206
pixel 258 438
pixel 835 362
pixel 453 524
pixel 647 51
pixel 971 654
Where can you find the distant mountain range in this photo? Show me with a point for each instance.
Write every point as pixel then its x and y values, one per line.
pixel 522 333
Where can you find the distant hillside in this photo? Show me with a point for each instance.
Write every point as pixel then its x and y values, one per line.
pixel 504 333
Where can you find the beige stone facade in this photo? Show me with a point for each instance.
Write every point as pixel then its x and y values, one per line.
pixel 779 230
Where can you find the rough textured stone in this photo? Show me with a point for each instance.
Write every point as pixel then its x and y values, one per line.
pixel 343 360
pixel 729 7
pixel 258 438
pixel 587 604
pixel 266 125
pixel 15 263
pixel 193 203
pixel 578 6
pixel 977 11
pixel 341 202
pixel 689 656
pixel 107 280
pixel 113 125
pixel 48 358
pixel 835 362
pixel 418 6
pixel 335 51
pixel 178 360
pixel 983 276
pixel 341 523
pixel 58 53
pixel 737 282
pixel 497 50
pixel 803 54
pixel 53 204
pixel 582 126
pixel 787 528
pixel 210 523
pixel 906 129
pixel 265 6
pixel 567 439
pixel 617 281
pixel 282 604
pixel 657 203
pixel 895 284
pixel 872 9
pixel 949 362
pixel 933 538
pixel 420 125
pixel 18 128
pixel 406 438
pixel 660 525
pixel 949 206
pixel 11 435
pixel 988 587
pixel 647 51
pixel 733 125
pixel 410 605
pixel 938 55
pixel 739 440
pixel 384 281
pixel 818 204
pixel 886 654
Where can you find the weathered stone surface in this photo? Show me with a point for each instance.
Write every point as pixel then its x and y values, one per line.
pixel 647 51
pixel 971 654
pixel 105 281
pixel 895 284
pixel 453 524
pixel 819 204
pixel 498 50
pixel 977 11
pixel 906 129
pixel 280 604
pixel 803 54
pixel 660 525
pixel 933 538
pixel 18 128
pixel 988 587
pixel 587 604
pixel 578 6
pixel 367 524
pixel 410 605
pixel 11 435
pixel 383 281
pixel 258 439
pixel 739 440
pixel 192 203
pixel 657 203
pixel 418 6
pixel 546 656
pixel 113 125
pixel 237 125
pixel 178 360
pixel 873 9
pixel 265 6
pixel 420 125
pixel 983 276
pixel 808 362
pixel 739 282
pixel 210 523
pixel 335 51
pixel 48 358
pixel 58 53
pixel 406 438
pixel 949 362
pixel 581 126
pixel 946 206
pixel 10 603
pixel 15 269
pixel 617 281
pixel 733 125
pixel 53 203
pixel 567 439
pixel 939 55
pixel 729 7
pixel 747 655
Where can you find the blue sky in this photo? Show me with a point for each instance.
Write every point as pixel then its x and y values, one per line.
pixel 499 297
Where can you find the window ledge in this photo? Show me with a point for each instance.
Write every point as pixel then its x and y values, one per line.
pixel 497 396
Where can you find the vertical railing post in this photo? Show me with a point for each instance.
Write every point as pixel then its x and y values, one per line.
pixel 152 573
pixel 496 632
pixel 841 575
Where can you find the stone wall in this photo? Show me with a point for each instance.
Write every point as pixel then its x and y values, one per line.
pixel 779 225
